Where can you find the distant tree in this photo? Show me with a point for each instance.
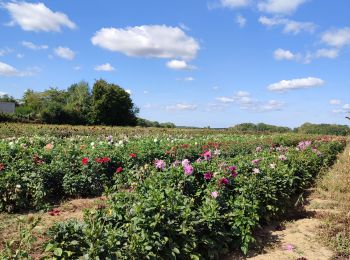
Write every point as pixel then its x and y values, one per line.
pixel 8 98
pixel 326 129
pixel 79 102
pixel 112 105
pixel 261 127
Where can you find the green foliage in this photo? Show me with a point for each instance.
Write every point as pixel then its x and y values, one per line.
pixel 323 129
pixel 112 105
pixel 20 247
pixel 261 127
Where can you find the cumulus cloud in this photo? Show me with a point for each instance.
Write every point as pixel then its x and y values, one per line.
pixel 64 53
pixel 128 91
pixel 327 53
pixel 235 3
pixel 300 83
pixel 33 46
pixel 335 101
pixel 281 54
pixel 181 107
pixel 247 102
pixel 280 6
pixel 104 67
pixel 337 37
pixel 240 20
pixel 10 71
pixel 346 107
pixel 156 41
pixel 179 65
pixel 289 26
pixel 37 17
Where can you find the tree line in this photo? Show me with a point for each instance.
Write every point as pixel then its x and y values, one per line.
pixel 306 128
pixel 105 104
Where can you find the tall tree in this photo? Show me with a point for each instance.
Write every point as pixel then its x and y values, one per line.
pixel 112 105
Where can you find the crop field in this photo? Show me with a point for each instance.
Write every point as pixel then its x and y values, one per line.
pixel 162 193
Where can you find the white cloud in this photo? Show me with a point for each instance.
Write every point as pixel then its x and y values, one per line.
pixel 10 71
pixel 128 91
pixel 64 53
pixel 182 106
pixel 240 20
pixel 184 27
pixel 37 17
pixel 289 26
pixel 225 99
pixel 335 101
pixel 157 41
pixel 235 3
pixel 300 83
pixel 33 46
pixel 5 51
pixel 346 107
pixel 179 65
pixel 280 6
pixel 104 67
pixel 337 37
pixel 281 54
pixel 188 79
pixel 19 55
pixel 246 102
pixel 327 53
pixel 339 111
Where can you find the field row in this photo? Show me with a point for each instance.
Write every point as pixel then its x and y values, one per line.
pixel 168 196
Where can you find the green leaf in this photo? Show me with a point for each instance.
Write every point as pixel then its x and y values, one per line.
pixel 176 250
pixel 58 251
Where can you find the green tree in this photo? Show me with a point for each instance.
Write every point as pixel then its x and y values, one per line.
pixel 112 105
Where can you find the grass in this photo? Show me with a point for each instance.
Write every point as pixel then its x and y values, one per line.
pixel 335 186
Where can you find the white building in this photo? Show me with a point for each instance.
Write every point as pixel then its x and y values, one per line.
pixel 7 107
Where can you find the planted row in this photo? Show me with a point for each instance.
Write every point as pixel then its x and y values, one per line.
pixel 193 209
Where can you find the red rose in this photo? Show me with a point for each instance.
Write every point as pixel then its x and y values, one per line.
pixel 2 166
pixel 133 155
pixel 85 160
pixel 119 170
pixel 106 159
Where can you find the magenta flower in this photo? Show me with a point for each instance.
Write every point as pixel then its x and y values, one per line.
pixel 188 169
pixel 185 162
pixel 208 175
pixel 256 161
pixel 232 168
pixel 198 160
pixel 289 247
pixel 207 155
pixel 176 163
pixel 160 164
pixel 215 194
pixel 223 181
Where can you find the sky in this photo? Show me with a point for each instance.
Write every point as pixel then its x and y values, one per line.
pixel 198 63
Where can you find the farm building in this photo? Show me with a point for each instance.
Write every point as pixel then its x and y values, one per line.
pixel 7 107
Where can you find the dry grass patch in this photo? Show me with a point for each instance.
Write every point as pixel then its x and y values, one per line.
pixel 335 186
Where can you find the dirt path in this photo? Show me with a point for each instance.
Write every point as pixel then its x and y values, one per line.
pixel 297 239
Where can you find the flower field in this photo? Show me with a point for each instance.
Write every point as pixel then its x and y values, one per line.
pixel 169 193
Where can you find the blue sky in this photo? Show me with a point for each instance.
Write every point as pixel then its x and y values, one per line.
pixel 200 63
